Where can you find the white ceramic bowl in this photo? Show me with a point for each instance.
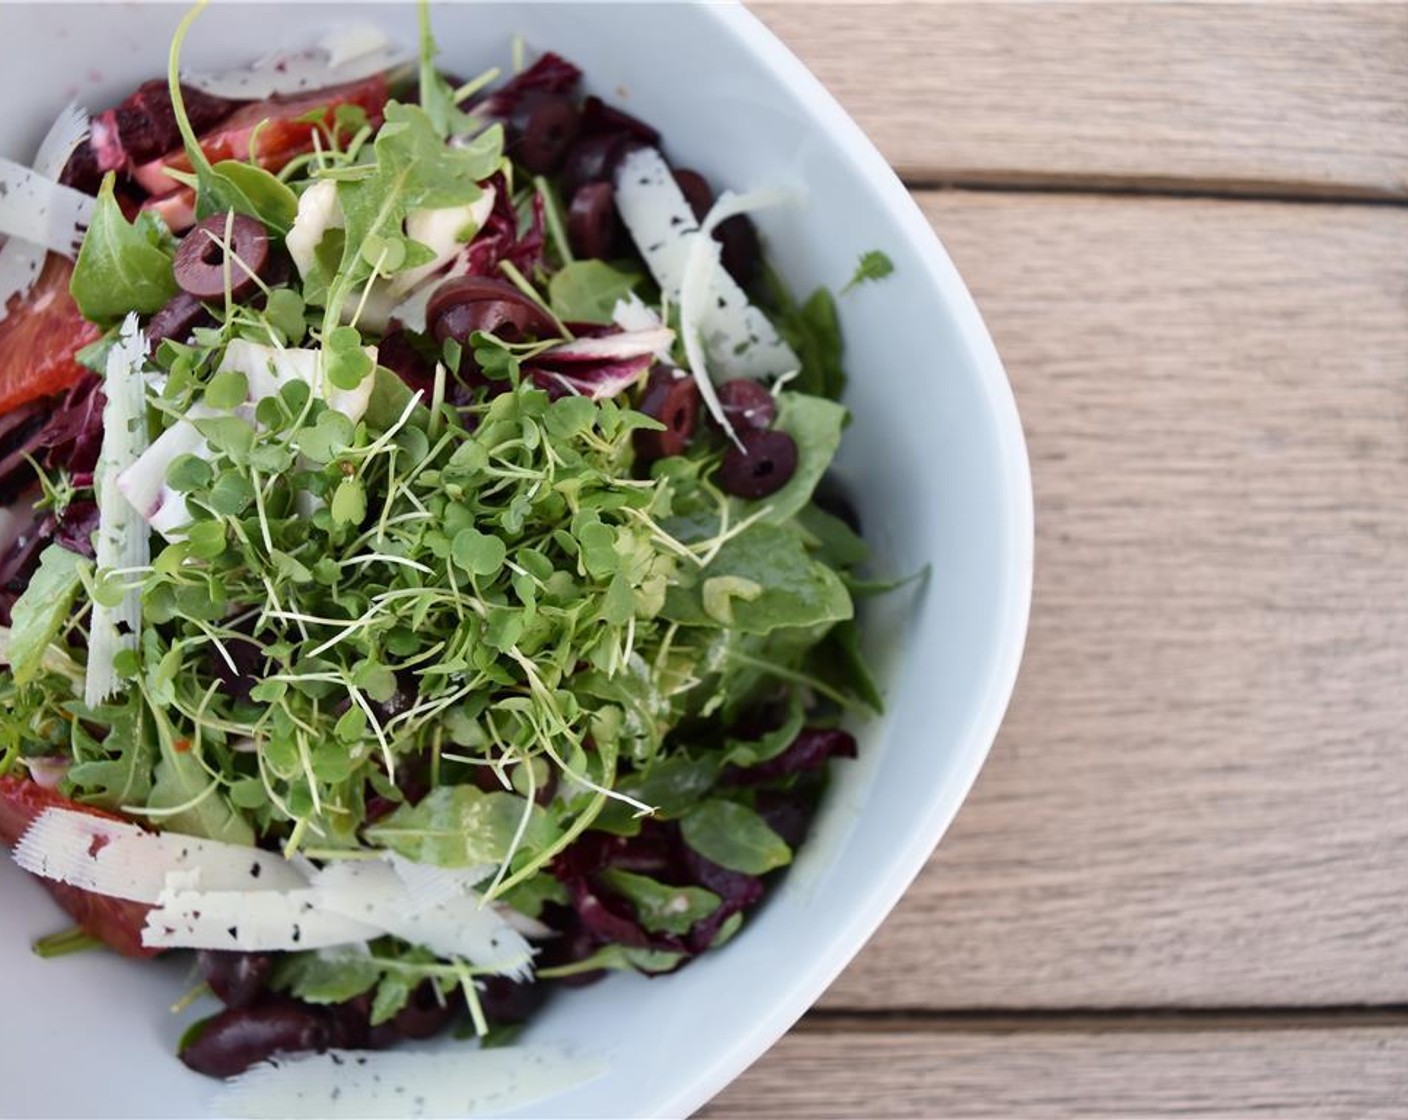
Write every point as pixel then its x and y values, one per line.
pixel 935 458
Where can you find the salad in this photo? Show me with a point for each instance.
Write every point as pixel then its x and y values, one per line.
pixel 421 585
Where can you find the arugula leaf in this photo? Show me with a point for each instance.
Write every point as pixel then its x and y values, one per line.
pixel 618 958
pixel 751 752
pixel 814 332
pixel 250 190
pixel 121 267
pixel 41 611
pixel 734 836
pixel 838 661
pixel 117 770
pixel 531 895
pixel 587 291
pixel 323 978
pixel 392 994
pixel 673 784
pixel 461 826
pixel 435 95
pixel 874 265
pixel 795 590
pixel 182 782
pixel 836 544
pixel 661 908
pixel 228 185
pixel 414 169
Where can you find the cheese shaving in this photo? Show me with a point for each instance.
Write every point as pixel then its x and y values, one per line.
pixel 42 211
pixel 405 1083
pixel 458 925
pixel 346 54
pixel 737 339
pixel 123 543
pixel 20 259
pixel 121 860
pixel 245 921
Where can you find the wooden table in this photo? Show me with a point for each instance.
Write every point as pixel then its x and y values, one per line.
pixel 1180 887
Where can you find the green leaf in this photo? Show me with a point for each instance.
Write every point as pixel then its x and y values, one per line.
pixel 41 611
pixel 182 781
pixel 480 554
pixel 349 502
pixel 673 784
pixel 206 539
pixel 346 361
pixel 838 661
pixel 734 836
pixel 250 190
pixel 120 267
pixel 230 494
pixel 661 908
pixel 732 924
pixel 330 435
pixel 227 390
pixel 118 770
pixel 188 473
pixel 873 265
pixel 285 312
pixel 587 291
pixel 461 826
pixel 618 958
pixel 530 896
pixel 796 590
pixel 751 752
pixel 414 169
pixel 231 434
pixel 814 331
pixel 390 396
pixel 435 95
pixel 229 185
pixel 392 995
pixel 834 542
pixel 326 977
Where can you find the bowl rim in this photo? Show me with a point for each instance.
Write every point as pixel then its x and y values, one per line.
pixel 754 37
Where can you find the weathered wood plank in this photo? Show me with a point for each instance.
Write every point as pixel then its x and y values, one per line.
pixel 1199 795
pixel 1351 1073
pixel 1286 97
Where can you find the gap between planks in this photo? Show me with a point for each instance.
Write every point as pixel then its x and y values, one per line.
pixel 1098 1020
pixel 1117 187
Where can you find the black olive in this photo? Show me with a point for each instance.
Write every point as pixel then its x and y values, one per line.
pixel 404 357
pixel 543 126
pixel 229 1043
pixel 237 979
pixel 594 159
pixel 182 314
pixel 592 225
pixel 747 404
pixel 764 465
pixel 425 1014
pixel 671 397
pixel 199 265
pixel 737 237
pixel 476 303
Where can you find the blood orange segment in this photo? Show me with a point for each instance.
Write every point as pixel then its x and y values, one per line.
pixel 282 136
pixel 40 338
pixel 113 921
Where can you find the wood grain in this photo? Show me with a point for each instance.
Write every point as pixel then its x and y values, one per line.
pixel 1354 1073
pixel 1282 98
pixel 1200 796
